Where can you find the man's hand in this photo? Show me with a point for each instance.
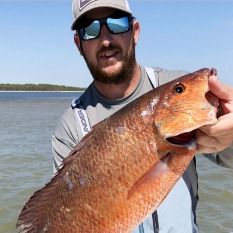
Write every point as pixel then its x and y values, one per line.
pixel 217 137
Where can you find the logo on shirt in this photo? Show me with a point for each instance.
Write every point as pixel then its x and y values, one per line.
pixel 84 3
pixel 83 121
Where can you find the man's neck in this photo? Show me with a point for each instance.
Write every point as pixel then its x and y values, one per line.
pixel 121 90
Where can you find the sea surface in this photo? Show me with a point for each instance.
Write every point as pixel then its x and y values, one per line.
pixel 27 122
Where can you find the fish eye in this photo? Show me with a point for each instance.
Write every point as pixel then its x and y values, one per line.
pixel 179 88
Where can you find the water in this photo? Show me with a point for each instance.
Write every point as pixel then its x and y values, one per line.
pixel 27 121
pixel 215 209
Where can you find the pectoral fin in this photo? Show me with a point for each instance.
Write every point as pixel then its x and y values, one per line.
pixel 152 179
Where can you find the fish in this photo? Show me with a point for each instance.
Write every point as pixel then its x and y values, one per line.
pixel 122 170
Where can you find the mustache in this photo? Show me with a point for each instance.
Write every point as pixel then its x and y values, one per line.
pixel 104 49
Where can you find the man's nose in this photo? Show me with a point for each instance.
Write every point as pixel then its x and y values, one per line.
pixel 105 36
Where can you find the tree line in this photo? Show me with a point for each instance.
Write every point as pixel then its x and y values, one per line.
pixel 38 87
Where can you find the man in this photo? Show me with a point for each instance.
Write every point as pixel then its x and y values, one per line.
pixel 106 34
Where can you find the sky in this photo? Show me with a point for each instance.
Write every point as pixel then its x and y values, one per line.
pixel 36 42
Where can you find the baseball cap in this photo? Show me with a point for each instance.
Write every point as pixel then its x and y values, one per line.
pixel 80 7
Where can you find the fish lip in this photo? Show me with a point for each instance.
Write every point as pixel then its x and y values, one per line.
pixel 187 139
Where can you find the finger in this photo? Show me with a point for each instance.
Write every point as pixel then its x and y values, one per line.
pixel 223 128
pixel 226 106
pixel 204 140
pixel 221 90
pixel 203 149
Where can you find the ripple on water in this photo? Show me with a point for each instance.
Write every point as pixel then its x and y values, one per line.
pixel 215 207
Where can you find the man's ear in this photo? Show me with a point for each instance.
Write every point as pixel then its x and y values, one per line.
pixel 136 31
pixel 78 44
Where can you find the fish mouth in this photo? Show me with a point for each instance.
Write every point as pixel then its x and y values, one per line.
pixel 187 139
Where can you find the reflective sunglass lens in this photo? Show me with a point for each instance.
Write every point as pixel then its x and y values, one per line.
pixel 118 25
pixel 91 31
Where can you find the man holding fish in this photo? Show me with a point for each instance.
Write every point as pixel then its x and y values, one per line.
pixel 106 34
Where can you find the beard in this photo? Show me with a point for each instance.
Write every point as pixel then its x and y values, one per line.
pixel 120 75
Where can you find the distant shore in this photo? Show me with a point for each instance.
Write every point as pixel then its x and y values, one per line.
pixel 38 88
pixel 1 91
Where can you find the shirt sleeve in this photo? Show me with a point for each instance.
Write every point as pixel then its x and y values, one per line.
pixel 223 158
pixel 64 138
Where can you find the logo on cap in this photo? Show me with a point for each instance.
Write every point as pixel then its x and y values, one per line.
pixel 84 3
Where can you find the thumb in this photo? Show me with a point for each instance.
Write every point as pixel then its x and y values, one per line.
pixel 221 90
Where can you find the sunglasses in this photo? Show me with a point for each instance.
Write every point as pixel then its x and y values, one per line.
pixel 116 25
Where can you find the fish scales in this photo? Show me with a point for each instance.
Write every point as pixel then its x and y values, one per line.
pixel 123 169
